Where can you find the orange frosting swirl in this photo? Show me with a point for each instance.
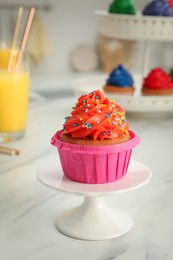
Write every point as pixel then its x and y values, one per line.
pixel 97 117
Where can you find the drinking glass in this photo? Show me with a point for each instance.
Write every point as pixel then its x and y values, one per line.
pixel 14 96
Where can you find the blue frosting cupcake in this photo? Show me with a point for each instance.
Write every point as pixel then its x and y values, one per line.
pixel 158 8
pixel 119 81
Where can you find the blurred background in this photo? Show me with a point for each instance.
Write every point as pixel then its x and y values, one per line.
pixel 64 33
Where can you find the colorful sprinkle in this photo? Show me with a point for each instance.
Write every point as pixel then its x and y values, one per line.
pixel 75 124
pixel 88 125
pixel 107 115
pixel 66 118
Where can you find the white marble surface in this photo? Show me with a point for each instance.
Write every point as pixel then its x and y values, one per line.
pixel 28 209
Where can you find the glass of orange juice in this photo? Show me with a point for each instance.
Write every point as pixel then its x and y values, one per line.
pixel 14 96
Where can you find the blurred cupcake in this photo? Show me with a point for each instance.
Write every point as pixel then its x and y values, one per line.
pixel 119 81
pixel 122 7
pixel 95 145
pixel 158 82
pixel 158 8
pixel 170 3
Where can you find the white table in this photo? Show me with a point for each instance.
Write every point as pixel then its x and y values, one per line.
pixel 28 209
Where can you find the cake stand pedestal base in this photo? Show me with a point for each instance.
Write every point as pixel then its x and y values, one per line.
pixel 93 219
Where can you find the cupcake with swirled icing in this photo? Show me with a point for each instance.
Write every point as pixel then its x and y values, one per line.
pixel 158 82
pixel 119 81
pixel 95 144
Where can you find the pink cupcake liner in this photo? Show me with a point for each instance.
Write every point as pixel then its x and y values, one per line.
pixel 95 164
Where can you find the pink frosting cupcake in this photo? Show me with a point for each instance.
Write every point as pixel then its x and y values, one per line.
pixel 95 145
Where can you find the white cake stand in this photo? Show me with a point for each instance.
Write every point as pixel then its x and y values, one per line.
pixel 93 219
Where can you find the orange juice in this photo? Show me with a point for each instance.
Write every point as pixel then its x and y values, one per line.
pixel 14 92
pixel 4 57
pixel 14 95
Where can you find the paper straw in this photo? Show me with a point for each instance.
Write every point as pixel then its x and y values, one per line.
pixel 15 36
pixel 9 151
pixel 24 38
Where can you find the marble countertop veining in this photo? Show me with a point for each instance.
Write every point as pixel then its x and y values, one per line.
pixel 28 209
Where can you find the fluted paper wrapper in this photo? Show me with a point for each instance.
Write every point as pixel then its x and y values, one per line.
pixel 95 164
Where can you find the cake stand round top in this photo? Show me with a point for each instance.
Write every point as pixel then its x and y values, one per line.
pixel 51 175
pixel 135 27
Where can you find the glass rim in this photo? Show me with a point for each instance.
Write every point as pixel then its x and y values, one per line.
pixel 5 56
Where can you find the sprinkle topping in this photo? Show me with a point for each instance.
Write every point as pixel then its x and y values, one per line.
pixel 97 117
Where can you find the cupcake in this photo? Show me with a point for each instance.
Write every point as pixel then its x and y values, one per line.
pixel 158 82
pixel 158 8
pixel 170 3
pixel 95 144
pixel 122 7
pixel 119 81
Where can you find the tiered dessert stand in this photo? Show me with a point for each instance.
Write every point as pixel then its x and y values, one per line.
pixel 135 27
pixel 93 219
